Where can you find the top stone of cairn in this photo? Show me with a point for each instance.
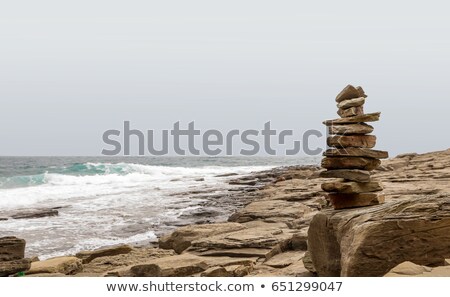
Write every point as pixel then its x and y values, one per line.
pixel 350 92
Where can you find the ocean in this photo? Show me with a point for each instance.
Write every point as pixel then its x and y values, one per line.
pixel 104 201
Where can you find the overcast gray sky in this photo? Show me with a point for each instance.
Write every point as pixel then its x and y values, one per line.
pixel 69 70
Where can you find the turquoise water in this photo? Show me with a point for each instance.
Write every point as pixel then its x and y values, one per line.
pixel 31 171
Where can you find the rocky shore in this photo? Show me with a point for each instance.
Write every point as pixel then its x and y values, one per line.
pixel 287 227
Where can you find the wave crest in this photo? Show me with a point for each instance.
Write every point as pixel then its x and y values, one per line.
pixel 107 173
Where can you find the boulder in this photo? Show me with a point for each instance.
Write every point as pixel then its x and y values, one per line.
pixel 372 241
pixel 364 141
pixel 355 102
pixel 65 265
pixel 356 152
pixel 341 201
pixel 12 251
pixel 360 128
pixel 11 248
pixel 349 174
pixel 350 163
pixel 351 187
pixel 11 267
pixel 181 239
pixel 88 256
pixel 369 117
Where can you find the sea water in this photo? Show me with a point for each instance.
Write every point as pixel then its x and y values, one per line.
pixel 105 201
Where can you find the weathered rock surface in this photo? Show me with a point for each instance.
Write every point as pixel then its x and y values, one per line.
pixel 65 265
pixel 363 141
pixel 347 129
pixel 35 213
pixel 371 241
pixel 285 259
pixel 350 163
pixel 174 266
pixel 341 201
pixel 356 152
pixel 409 269
pixel 265 236
pixel 351 187
pixel 136 256
pixel 299 241
pixel 308 263
pixel 361 92
pixel 11 248
pixel 369 117
pixel 185 264
pixel 11 267
pixel 348 174
pixel 350 112
pixel 244 182
pixel 88 256
pixel 355 102
pixel 216 271
pixel 270 211
pixel 237 252
pixel 239 270
pixel 181 239
pixel 296 269
pixel 46 275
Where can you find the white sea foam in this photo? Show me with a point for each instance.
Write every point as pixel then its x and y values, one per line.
pixel 124 204
pixel 63 188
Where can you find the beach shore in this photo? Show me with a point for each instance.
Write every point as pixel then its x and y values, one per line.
pixel 267 236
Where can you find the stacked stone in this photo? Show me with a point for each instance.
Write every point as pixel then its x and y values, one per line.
pixel 351 157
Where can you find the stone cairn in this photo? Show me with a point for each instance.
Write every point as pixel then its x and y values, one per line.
pixel 351 157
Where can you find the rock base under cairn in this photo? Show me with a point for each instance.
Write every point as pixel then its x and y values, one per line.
pixel 372 241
